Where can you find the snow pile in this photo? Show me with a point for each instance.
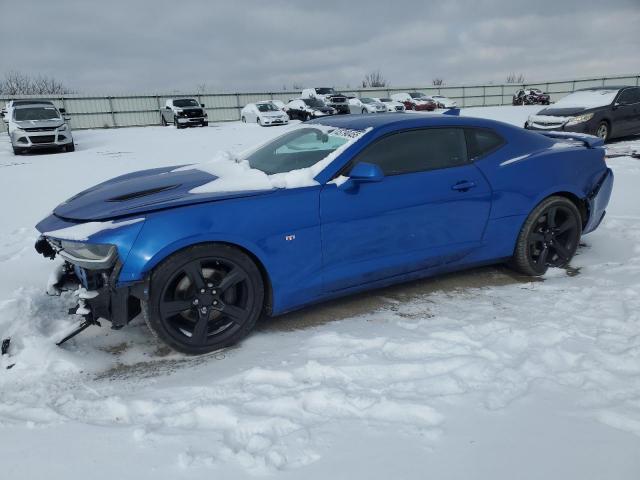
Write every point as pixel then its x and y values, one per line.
pixel 83 231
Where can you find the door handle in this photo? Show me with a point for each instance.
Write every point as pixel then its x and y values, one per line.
pixel 463 186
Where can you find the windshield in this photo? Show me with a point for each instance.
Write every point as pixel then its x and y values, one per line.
pixel 36 113
pixel 267 107
pixel 416 95
pixel 587 99
pixel 325 91
pixel 314 102
pixel 367 100
pixel 386 100
pixel 185 102
pixel 297 149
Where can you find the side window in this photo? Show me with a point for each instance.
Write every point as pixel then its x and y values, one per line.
pixel 417 151
pixel 630 96
pixel 481 141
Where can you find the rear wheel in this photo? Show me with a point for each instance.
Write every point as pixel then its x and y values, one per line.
pixel 549 237
pixel 204 298
pixel 603 131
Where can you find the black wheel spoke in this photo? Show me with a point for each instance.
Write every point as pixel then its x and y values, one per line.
pixel 562 251
pixel 201 329
pixel 542 258
pixel 173 307
pixel 536 237
pixel 193 270
pixel 566 225
pixel 551 217
pixel 232 278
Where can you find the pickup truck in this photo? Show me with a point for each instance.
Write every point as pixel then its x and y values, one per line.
pixel 183 112
pixel 329 96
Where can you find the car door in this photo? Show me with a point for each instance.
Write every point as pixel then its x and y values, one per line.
pixel 429 209
pixel 627 112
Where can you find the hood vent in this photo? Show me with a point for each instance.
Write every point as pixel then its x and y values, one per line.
pixel 141 193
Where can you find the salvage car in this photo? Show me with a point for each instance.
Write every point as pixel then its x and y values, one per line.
pixel 443 102
pixel 607 112
pixel 329 96
pixel 263 113
pixel 415 101
pixel 337 205
pixel 34 126
pixel 307 108
pixel 530 96
pixel 183 113
pixel 366 105
pixel 392 105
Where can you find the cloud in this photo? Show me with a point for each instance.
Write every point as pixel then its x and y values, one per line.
pixel 156 45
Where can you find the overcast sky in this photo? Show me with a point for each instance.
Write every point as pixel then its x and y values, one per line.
pixel 114 46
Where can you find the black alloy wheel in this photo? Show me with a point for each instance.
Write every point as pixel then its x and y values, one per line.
pixel 204 298
pixel 549 237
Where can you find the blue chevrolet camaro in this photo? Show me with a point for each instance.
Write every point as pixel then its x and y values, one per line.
pixel 334 206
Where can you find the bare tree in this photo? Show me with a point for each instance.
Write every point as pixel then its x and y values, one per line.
pixel 374 79
pixel 438 82
pixel 296 86
pixel 513 78
pixel 201 88
pixel 18 83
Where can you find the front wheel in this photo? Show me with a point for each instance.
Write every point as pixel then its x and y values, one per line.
pixel 549 237
pixel 603 131
pixel 17 151
pixel 70 147
pixel 204 298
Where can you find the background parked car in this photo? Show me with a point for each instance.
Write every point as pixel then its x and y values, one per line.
pixel 263 113
pixel 392 105
pixel 607 112
pixel 530 96
pixel 443 102
pixel 329 96
pixel 308 108
pixel 38 125
pixel 366 105
pixel 280 104
pixel 415 101
pixel 183 112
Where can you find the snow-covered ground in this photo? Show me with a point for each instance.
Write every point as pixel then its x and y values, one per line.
pixel 481 375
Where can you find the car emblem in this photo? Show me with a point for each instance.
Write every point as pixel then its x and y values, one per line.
pixel 289 238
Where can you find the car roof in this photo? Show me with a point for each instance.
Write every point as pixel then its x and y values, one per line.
pixel 400 120
pixel 16 103
pixel 606 87
pixel 33 104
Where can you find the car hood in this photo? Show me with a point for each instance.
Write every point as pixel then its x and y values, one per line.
pixel 277 114
pixel 38 123
pixel 141 192
pixel 564 112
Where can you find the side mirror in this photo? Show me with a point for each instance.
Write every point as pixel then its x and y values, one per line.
pixel 66 119
pixel 362 172
pixel 62 110
pixel 202 105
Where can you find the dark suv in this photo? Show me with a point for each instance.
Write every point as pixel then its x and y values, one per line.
pixel 607 112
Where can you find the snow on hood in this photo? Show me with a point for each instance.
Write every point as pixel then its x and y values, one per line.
pixel 83 231
pixel 234 173
pixel 587 99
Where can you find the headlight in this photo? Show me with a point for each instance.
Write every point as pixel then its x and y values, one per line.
pixel 93 256
pixel 580 119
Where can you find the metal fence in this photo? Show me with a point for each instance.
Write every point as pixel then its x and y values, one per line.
pixel 95 111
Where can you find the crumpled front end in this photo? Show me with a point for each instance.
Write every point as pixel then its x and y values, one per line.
pixel 93 255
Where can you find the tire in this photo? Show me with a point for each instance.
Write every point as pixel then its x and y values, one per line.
pixel 364 111
pixel 224 314
pixel 70 147
pixel 603 131
pixel 163 121
pixel 17 151
pixel 205 124
pixel 549 237
pixel 258 121
pixel 177 124
pixel 244 120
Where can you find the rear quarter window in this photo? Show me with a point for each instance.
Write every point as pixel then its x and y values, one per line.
pixel 481 142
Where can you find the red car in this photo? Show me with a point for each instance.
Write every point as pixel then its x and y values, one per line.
pixel 415 101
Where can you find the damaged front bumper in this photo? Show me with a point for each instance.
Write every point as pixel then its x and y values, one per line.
pixel 100 295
